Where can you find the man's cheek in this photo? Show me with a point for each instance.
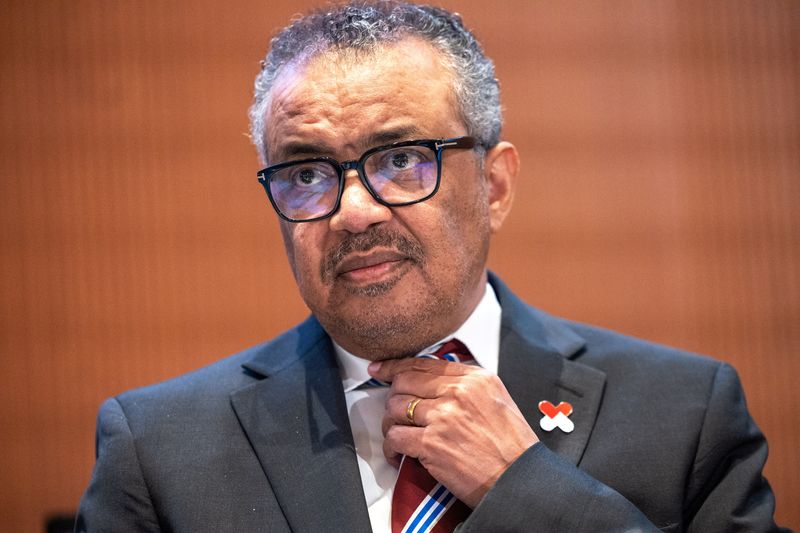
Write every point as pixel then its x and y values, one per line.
pixel 289 235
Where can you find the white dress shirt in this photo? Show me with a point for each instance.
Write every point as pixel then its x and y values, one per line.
pixel 480 333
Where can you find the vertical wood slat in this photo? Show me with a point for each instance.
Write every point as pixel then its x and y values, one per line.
pixel 659 180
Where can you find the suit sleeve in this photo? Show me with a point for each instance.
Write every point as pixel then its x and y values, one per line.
pixel 543 492
pixel 725 491
pixel 117 498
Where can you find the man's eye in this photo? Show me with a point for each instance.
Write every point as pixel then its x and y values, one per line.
pixel 400 160
pixel 308 176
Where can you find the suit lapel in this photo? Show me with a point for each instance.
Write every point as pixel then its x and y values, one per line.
pixel 296 420
pixel 535 365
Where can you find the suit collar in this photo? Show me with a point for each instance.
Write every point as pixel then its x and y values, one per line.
pixel 538 362
pixel 536 328
pixel 295 417
pixel 288 349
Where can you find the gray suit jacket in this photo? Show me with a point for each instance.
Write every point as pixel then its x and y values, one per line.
pixel 261 441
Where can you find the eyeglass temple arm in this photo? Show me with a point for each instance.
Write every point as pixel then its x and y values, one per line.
pixel 457 142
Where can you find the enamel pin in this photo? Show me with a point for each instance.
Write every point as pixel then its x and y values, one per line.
pixel 556 416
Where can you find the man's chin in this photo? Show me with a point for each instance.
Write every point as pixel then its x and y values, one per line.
pixel 380 318
pixel 372 290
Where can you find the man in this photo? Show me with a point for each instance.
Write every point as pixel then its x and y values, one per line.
pixel 380 128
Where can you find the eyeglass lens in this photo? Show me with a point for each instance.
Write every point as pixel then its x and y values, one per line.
pixel 305 190
pixel 397 175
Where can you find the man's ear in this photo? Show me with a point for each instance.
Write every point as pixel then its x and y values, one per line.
pixel 501 166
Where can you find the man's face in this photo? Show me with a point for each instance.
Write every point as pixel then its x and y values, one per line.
pixel 384 282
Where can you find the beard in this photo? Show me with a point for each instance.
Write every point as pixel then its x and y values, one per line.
pixel 383 325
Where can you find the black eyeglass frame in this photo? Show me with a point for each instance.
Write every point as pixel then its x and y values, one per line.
pixel 436 145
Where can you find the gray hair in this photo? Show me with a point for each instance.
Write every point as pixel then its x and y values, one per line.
pixel 366 26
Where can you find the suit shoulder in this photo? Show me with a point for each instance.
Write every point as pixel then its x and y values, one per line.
pixel 601 342
pixel 633 360
pixel 196 390
pixel 614 353
pixel 591 345
pixel 211 385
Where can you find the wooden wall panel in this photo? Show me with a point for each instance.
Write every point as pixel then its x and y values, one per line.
pixel 658 197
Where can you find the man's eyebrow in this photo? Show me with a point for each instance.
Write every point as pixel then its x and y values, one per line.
pixel 295 148
pixel 379 138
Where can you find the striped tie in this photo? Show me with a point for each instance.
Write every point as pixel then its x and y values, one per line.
pixel 420 504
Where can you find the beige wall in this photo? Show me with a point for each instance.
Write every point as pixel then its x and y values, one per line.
pixel 658 197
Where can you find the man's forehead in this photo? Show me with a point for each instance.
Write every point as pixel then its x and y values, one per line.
pixel 395 81
pixel 406 61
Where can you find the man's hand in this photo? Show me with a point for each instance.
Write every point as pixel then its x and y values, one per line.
pixel 467 430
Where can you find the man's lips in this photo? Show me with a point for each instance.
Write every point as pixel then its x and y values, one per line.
pixel 373 264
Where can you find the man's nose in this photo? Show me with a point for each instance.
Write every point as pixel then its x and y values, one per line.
pixel 358 210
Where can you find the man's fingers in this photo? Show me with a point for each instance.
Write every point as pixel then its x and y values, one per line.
pixel 420 384
pixel 402 440
pixel 400 406
pixel 387 370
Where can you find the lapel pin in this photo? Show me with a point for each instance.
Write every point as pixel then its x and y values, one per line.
pixel 556 416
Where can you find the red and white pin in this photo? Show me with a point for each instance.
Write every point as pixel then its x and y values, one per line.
pixel 556 416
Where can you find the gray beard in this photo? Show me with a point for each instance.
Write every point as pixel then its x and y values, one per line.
pixel 400 332
pixel 396 330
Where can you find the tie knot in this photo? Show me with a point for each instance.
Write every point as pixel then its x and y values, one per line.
pixel 453 350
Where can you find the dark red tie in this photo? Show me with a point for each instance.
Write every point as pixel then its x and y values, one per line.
pixel 421 504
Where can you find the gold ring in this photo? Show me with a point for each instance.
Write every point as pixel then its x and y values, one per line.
pixel 412 405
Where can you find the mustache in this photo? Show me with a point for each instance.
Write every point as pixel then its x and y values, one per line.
pixel 374 237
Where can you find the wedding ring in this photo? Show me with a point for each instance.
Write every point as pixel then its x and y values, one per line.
pixel 412 405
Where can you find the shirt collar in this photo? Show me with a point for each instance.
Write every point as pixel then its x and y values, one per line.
pixel 480 333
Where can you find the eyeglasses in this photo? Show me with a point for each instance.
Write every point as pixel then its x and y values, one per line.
pixel 402 173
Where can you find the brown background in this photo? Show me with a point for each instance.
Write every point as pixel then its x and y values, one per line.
pixel 658 197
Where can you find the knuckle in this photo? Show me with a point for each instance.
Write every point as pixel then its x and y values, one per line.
pixel 393 403
pixel 495 381
pixel 458 390
pixel 443 411
pixel 432 448
pixel 391 435
pixel 399 383
pixel 420 364
pixel 434 414
pixel 425 446
pixel 481 375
